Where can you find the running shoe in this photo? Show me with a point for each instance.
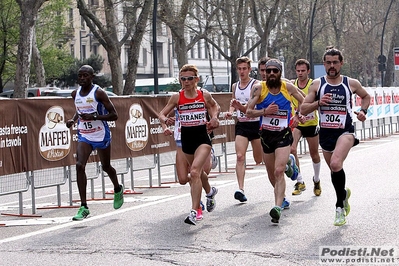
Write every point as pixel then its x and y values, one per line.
pixel 240 196
pixel 83 212
pixel 296 170
pixel 292 170
pixel 199 217
pixel 298 188
pixel 191 217
pixel 275 213
pixel 214 159
pixel 286 204
pixel 210 200
pixel 347 207
pixel 118 198
pixel 317 188
pixel 339 217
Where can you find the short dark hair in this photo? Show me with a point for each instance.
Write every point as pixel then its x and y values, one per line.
pixel 302 62
pixel 330 50
pixel 263 60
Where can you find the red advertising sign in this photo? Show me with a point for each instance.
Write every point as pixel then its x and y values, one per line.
pixel 396 56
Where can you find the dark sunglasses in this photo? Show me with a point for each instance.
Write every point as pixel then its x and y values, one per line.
pixel 187 78
pixel 269 70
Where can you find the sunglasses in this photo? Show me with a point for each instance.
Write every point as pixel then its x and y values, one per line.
pixel 275 70
pixel 187 78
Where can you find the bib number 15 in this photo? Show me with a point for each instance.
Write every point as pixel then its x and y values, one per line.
pixel 88 125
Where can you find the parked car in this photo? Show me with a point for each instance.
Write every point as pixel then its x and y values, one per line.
pixel 32 92
pixel 222 84
pixel 67 93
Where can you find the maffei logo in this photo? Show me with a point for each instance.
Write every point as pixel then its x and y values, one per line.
pixel 354 255
pixel 136 129
pixel 54 136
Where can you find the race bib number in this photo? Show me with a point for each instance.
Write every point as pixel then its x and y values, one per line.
pixel 333 116
pixel 242 117
pixel 275 122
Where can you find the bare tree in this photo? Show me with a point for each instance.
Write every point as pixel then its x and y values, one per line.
pixel 29 10
pixel 232 19
pixel 107 35
pixel 265 17
pixel 135 43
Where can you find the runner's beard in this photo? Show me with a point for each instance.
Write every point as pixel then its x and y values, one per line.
pixel 274 83
pixel 337 73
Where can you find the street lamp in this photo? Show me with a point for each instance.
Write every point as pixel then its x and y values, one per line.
pixel 154 46
pixel 80 42
pixel 311 40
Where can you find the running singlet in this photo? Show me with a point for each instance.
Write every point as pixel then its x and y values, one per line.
pixel 280 120
pixel 192 112
pixel 92 130
pixel 311 119
pixel 177 131
pixel 243 96
pixel 338 113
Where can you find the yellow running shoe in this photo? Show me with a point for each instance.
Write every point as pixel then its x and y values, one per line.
pixel 317 188
pixel 298 188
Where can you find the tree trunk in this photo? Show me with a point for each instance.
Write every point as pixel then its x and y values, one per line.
pixel 135 44
pixel 29 10
pixel 38 63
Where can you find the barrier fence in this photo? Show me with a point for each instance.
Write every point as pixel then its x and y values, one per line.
pixel 383 120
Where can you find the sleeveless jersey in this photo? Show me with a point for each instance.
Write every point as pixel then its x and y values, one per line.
pixel 243 96
pixel 338 114
pixel 311 119
pixel 177 131
pixel 192 112
pixel 92 130
pixel 280 120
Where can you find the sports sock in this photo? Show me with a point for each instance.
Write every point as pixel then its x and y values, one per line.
pixel 338 180
pixel 316 169
pixel 299 178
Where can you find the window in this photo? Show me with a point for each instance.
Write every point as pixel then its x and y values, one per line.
pixel 83 51
pixel 199 50
pixel 160 53
pixel 144 57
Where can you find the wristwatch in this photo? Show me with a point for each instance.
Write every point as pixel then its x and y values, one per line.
pixel 364 111
pixel 95 116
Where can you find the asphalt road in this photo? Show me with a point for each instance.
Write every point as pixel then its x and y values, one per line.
pixel 149 229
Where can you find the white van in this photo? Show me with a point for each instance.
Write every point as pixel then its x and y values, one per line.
pixel 219 84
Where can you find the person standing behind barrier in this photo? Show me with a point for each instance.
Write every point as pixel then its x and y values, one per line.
pixel 271 100
pixel 193 104
pixel 308 130
pixel 93 110
pixel 182 166
pixel 331 95
pixel 246 129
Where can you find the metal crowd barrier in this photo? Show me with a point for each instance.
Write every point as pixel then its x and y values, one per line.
pixel 15 183
pixel 21 182
pixel 93 171
pixel 48 178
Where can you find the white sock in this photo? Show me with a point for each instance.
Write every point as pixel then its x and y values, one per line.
pixel 299 179
pixel 316 169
